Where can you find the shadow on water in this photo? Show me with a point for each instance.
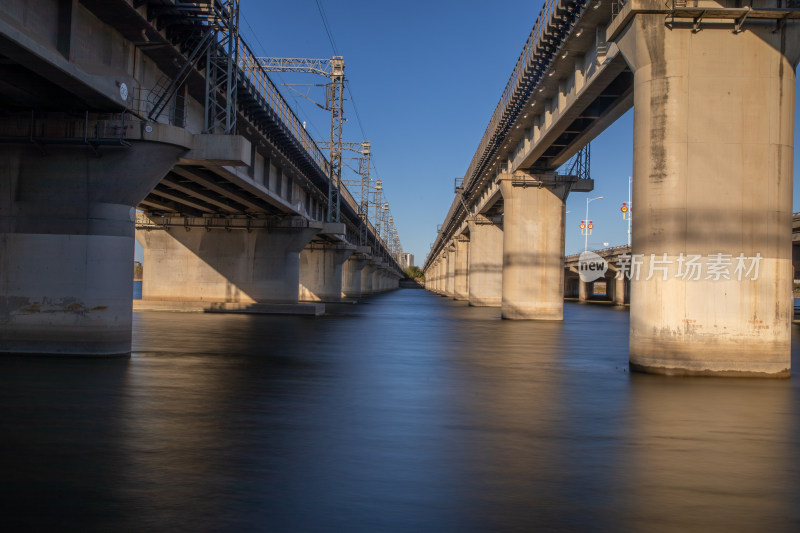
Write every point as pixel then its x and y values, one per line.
pixel 407 412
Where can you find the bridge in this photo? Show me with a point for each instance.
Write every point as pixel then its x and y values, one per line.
pixel 712 175
pixel 154 120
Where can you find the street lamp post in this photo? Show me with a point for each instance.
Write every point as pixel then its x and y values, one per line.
pixel 586 232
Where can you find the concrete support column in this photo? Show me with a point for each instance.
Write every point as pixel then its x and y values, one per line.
pixel 712 171
pixel 461 282
pixel 443 269
pixel 533 249
pixel 321 271
pixel 352 272
pixel 220 266
pixel 66 245
pixel 451 271
pixel 485 263
pixel 619 290
pixel 377 278
pixel 443 274
pixel 366 278
pixel 583 290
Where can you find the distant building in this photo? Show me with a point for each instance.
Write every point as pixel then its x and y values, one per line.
pixel 406 260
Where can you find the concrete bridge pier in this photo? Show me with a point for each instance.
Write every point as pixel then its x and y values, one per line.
pixel 584 290
pixel 461 270
pixel 533 247
pixel 712 170
pixel 444 268
pixel 66 244
pixel 442 287
pixel 352 271
pixel 485 260
pixel 219 266
pixel 377 275
pixel 366 276
pixel 449 290
pixel 437 276
pixel 321 271
pixel 619 285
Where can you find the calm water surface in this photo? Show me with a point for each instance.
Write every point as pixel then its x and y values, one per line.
pixel 406 413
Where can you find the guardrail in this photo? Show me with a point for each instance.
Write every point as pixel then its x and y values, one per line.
pixel 535 59
pixel 260 80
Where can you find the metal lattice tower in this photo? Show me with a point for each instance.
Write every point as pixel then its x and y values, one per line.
pixel 364 184
pixel 215 47
pixel 221 69
pixel 333 69
pixel 363 171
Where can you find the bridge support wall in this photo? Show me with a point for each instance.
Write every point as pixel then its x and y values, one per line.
pixel 533 251
pixel 66 245
pixel 712 170
pixel 461 274
pixel 321 271
pixel 219 266
pixel 619 290
pixel 441 263
pixel 442 285
pixel 366 279
pixel 485 264
pixel 352 271
pixel 451 272
pixel 583 290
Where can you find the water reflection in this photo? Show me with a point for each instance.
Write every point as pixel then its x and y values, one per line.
pixel 408 412
pixel 718 454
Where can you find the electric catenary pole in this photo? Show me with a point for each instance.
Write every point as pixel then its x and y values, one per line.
pixel 333 70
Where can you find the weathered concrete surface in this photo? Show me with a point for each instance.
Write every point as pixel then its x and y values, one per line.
pixel 367 276
pixel 66 245
pixel 321 271
pixel 712 170
pixel 485 264
pixel 220 266
pixel 352 272
pixel 461 271
pixel 533 251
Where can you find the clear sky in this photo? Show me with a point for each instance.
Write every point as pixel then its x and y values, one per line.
pixel 426 77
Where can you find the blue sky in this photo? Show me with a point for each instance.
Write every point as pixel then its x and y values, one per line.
pixel 426 77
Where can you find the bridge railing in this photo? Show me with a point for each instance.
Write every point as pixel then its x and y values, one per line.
pixel 258 77
pixel 528 71
pixel 521 66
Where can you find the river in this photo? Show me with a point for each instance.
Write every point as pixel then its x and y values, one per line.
pixel 407 413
